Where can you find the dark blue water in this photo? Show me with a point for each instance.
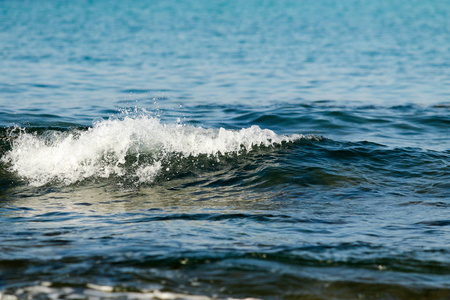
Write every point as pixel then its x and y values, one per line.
pixel 224 149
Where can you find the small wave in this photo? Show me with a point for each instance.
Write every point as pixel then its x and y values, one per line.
pixel 136 147
pixel 45 290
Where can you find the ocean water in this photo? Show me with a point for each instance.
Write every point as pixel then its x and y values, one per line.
pixel 224 149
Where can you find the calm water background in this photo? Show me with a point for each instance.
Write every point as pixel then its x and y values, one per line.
pixel 216 149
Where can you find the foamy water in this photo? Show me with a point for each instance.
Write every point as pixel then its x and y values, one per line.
pixel 104 150
pixel 94 291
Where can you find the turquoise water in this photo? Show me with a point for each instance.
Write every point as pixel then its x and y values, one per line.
pixel 224 149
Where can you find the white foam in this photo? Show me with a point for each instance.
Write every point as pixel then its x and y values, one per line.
pixel 94 291
pixel 101 151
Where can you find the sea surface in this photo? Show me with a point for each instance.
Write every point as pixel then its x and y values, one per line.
pixel 212 149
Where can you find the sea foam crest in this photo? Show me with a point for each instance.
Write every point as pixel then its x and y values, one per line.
pixel 102 151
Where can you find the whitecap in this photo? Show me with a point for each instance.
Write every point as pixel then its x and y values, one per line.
pixel 105 149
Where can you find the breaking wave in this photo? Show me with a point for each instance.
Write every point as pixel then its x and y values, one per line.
pixel 137 147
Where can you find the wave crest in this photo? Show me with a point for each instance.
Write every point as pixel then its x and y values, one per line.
pixel 131 146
